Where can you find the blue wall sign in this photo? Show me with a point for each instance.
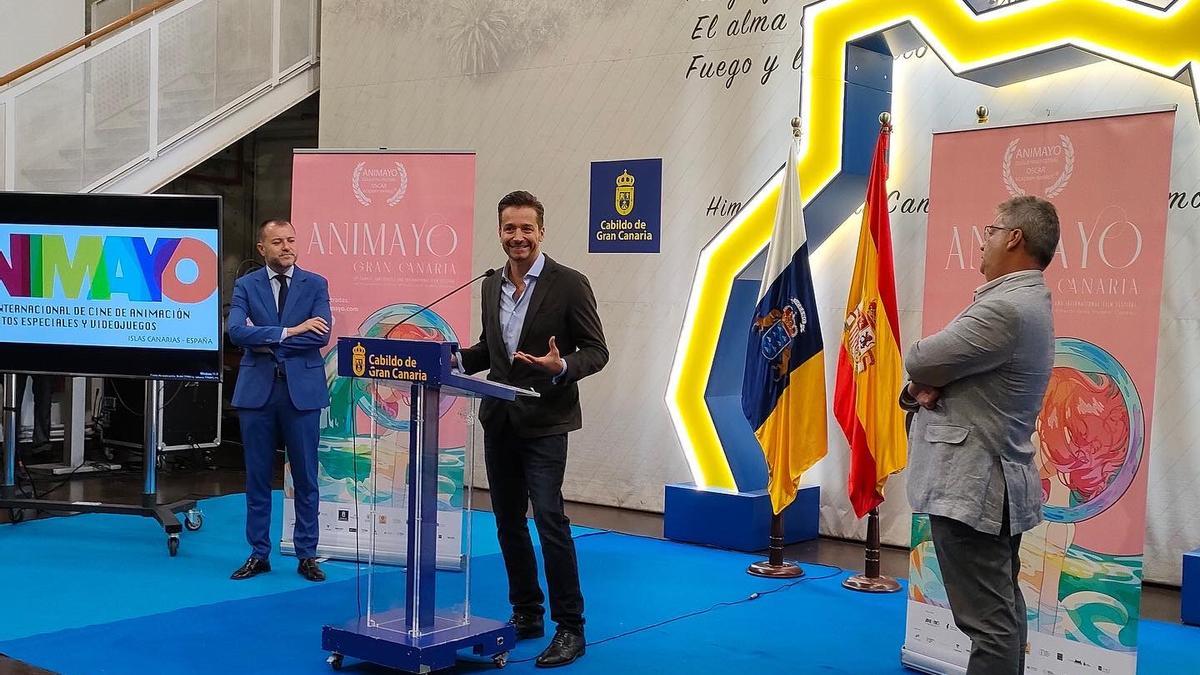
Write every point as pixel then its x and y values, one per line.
pixel 626 206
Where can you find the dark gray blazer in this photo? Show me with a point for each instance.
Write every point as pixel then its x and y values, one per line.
pixel 563 306
pixel 992 364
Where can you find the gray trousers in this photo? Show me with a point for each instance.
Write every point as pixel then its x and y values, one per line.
pixel 980 572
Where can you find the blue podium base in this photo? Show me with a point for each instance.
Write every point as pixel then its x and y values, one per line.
pixel 432 651
pixel 1189 595
pixel 736 520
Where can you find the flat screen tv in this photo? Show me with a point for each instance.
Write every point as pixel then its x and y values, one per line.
pixel 111 285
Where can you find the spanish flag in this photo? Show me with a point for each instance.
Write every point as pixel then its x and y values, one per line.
pixel 870 369
pixel 783 391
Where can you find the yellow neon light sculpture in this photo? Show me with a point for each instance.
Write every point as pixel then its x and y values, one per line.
pixel 1161 41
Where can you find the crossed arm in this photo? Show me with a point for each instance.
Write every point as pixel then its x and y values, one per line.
pixel 979 340
pixel 313 332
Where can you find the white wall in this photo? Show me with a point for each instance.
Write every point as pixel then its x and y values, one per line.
pixel 539 88
pixel 31 28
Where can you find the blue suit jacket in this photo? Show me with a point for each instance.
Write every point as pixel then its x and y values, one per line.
pixel 299 356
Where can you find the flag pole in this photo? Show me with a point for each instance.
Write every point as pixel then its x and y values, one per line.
pixel 775 566
pixel 871 581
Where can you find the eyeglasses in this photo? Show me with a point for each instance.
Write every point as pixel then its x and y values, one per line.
pixel 987 231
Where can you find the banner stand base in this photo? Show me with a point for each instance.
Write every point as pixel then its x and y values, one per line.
pixel 927 664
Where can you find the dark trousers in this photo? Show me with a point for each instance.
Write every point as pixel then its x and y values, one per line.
pixel 980 571
pixel 42 386
pixel 263 431
pixel 521 471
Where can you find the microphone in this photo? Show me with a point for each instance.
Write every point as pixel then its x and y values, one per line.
pixel 486 273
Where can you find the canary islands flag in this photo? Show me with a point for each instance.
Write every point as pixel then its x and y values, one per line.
pixel 869 374
pixel 783 391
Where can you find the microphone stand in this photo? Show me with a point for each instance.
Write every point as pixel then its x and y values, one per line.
pixel 486 273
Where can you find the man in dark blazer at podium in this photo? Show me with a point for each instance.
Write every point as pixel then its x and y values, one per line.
pixel 280 316
pixel 541 331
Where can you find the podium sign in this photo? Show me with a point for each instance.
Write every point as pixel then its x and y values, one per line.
pixel 412 361
pixel 416 619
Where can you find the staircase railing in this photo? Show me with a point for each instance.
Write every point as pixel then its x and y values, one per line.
pixel 86 118
pixel 84 41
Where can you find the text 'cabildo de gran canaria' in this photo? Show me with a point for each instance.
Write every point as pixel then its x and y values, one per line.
pixel 388 366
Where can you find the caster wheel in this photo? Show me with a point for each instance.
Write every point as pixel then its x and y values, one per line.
pixel 16 515
pixel 334 661
pixel 500 659
pixel 173 545
pixel 194 520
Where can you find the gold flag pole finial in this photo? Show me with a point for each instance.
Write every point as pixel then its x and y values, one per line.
pixel 796 127
pixel 981 113
pixel 885 122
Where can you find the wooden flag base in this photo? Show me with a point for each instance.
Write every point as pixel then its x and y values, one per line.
pixel 775 566
pixel 871 581
pixel 880 584
pixel 784 570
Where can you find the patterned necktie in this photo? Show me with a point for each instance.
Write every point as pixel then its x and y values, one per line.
pixel 283 291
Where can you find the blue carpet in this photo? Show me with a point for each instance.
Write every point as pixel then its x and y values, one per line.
pixel 97 568
pixel 652 606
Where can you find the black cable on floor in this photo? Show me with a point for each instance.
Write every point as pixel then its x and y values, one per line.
pixel 834 572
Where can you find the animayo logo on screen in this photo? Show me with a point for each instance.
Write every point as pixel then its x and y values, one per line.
pixel 179 269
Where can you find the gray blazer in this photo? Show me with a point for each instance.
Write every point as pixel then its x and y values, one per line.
pixel 993 364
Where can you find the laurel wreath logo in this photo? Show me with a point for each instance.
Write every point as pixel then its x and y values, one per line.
pixel 1057 186
pixel 355 182
pixel 399 194
pixel 1068 168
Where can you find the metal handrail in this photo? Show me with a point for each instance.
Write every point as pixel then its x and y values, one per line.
pixel 84 41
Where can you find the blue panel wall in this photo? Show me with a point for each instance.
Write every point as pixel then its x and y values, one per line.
pixel 868 92
pixel 724 392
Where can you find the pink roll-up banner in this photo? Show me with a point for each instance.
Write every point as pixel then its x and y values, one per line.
pixel 1081 569
pixel 391 231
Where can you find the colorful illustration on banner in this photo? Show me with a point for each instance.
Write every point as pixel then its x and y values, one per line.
pixel 1090 433
pixel 1089 446
pixel 1081 568
pixel 346 468
pixel 391 231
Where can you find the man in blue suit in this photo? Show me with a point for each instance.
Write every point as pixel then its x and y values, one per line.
pixel 280 316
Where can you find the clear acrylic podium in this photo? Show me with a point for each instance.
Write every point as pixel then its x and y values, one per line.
pixel 416 618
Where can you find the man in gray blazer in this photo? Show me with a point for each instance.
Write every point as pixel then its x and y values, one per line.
pixel 974 394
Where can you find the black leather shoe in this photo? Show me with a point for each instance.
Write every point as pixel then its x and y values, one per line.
pixel 528 626
pixel 309 569
pixel 251 567
pixel 564 649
